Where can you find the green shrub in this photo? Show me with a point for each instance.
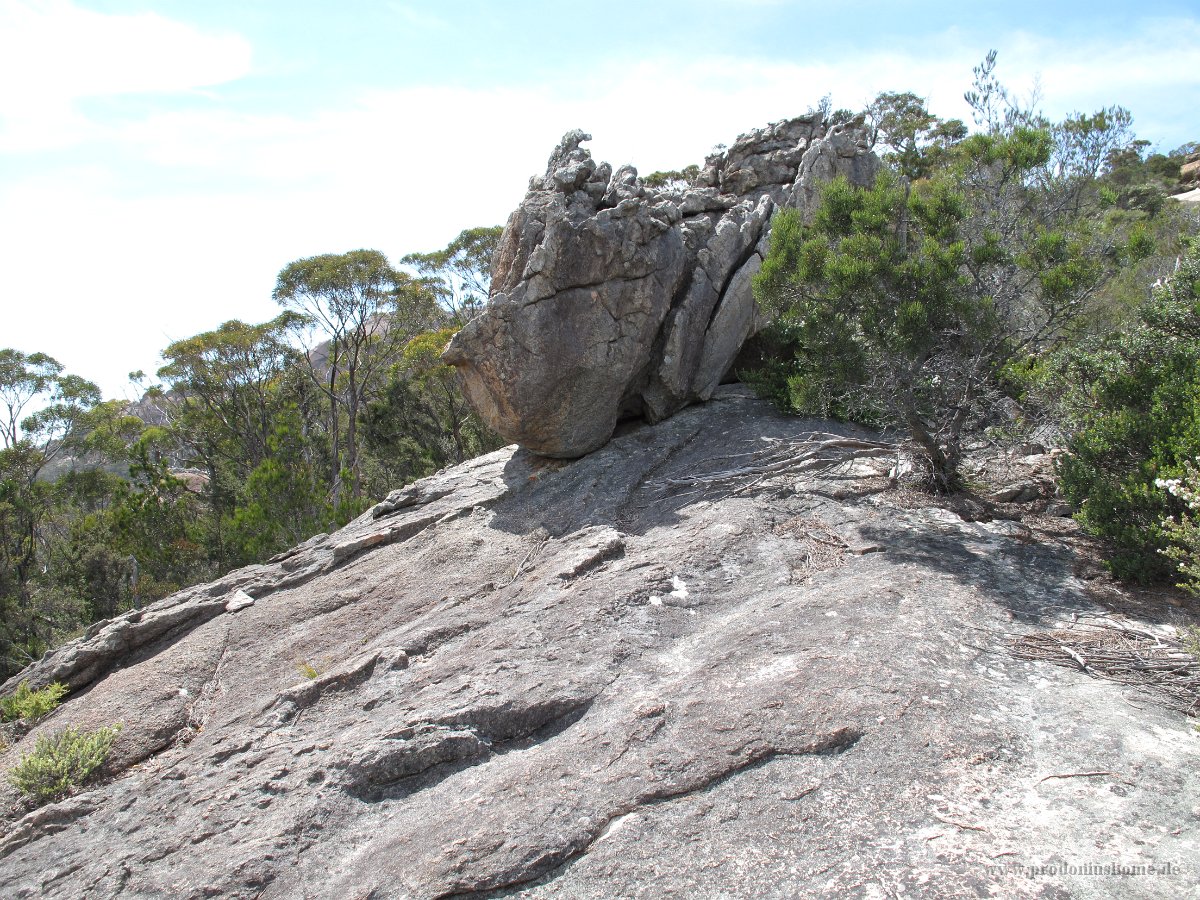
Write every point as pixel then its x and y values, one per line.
pixel 61 761
pixel 1184 534
pixel 1138 397
pixel 26 703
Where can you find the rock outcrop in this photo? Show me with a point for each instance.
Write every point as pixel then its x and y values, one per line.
pixel 611 298
pixel 1189 171
pixel 614 678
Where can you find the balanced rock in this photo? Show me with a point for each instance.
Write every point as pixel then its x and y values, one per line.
pixel 613 299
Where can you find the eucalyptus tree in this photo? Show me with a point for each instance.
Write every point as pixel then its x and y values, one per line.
pixel 46 413
pixel 460 274
pixel 356 313
pixel 227 382
pixel 23 377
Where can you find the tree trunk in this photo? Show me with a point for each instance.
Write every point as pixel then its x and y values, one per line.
pixel 352 429
pixel 335 480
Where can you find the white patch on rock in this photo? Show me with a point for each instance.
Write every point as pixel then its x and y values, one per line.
pixel 240 600
pixel 680 586
pixel 783 666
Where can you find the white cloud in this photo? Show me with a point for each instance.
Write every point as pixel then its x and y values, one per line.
pixel 406 169
pixel 54 53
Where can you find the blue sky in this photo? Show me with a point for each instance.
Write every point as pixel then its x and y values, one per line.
pixel 160 162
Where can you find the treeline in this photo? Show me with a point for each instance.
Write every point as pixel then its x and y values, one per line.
pixel 252 438
pixel 1025 279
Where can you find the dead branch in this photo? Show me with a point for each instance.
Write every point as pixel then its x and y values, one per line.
pixel 1080 775
pixel 1109 649
pixel 963 825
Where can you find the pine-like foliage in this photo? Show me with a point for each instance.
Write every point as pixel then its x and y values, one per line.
pixel 62 761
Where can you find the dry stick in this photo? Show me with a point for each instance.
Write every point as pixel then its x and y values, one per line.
pixel 1080 775
pixel 532 550
pixel 1075 656
pixel 1137 659
pixel 961 825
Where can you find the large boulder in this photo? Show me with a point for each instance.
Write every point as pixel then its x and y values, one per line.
pixel 611 298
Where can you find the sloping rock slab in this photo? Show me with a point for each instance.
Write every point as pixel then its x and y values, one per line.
pixel 589 680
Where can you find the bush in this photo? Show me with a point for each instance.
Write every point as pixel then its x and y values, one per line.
pixel 61 761
pixel 1184 535
pixel 26 703
pixel 1137 415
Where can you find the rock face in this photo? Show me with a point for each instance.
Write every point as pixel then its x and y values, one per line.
pixel 1189 172
pixel 612 299
pixel 594 680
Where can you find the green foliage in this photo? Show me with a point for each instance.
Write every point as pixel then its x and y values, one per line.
pixel 28 448
pixel 1183 534
pixel 61 762
pixel 1135 404
pixel 227 381
pixel 918 302
pixel 460 274
pixel 1190 638
pixel 283 500
pixel 917 141
pixel 673 179
pixel 422 422
pixel 307 669
pixel 872 299
pixel 22 378
pixel 365 311
pixel 156 519
pixel 28 704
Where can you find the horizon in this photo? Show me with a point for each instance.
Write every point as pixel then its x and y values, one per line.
pixel 163 162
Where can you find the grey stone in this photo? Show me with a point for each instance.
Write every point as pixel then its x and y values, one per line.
pixel 239 600
pixel 1018 492
pixel 821 704
pixel 616 299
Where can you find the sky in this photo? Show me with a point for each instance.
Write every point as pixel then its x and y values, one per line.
pixel 160 162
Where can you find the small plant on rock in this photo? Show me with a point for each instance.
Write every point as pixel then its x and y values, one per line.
pixel 62 761
pixel 28 704
pixel 307 669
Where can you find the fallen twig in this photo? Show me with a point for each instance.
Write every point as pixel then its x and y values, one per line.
pixel 520 568
pixel 1079 775
pixel 1123 654
pixel 963 825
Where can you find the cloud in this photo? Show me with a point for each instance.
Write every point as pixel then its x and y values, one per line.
pixel 54 54
pixel 204 206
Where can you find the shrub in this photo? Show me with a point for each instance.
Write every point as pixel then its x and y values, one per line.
pixel 26 703
pixel 906 304
pixel 1184 534
pixel 61 761
pixel 1138 424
